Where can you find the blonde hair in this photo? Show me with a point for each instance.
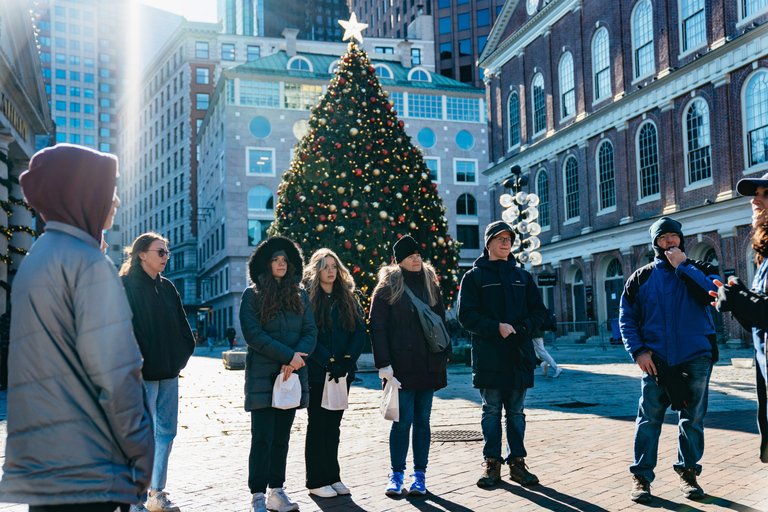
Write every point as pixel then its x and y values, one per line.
pixel 343 291
pixel 141 244
pixel 392 276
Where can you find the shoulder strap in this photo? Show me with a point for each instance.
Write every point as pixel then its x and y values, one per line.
pixel 413 297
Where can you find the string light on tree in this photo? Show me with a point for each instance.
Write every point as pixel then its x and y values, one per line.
pixel 521 213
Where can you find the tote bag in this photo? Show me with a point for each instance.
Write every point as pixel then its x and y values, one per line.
pixel 335 394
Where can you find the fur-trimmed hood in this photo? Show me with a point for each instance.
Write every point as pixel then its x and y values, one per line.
pixel 258 263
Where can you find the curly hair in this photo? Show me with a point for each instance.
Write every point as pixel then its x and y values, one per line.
pixel 342 297
pixel 141 244
pixel 280 295
pixel 392 276
pixel 760 243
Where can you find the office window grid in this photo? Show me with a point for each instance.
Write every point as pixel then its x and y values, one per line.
pixel 606 176
pixel 649 160
pixel 601 65
pixel 261 94
pixel 757 119
pixel 643 39
pixel 425 106
pixel 397 97
pixel 539 106
pixel 694 26
pixel 571 188
pixel 465 171
pixel 301 96
pixel 259 161
pixel 697 129
pixel 542 188
pixel 750 7
pixel 567 86
pixel 463 109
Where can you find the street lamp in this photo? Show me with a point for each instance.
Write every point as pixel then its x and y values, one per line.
pixel 521 213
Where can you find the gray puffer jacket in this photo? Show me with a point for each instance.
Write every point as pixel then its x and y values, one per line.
pixel 272 345
pixel 79 427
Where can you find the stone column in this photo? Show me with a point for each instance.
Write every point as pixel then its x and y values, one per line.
pixel 5 142
pixel 20 216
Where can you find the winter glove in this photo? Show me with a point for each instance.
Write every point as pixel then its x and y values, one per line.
pixel 335 371
pixel 675 382
pixel 386 373
pixel 520 360
pixel 749 307
pixel 348 364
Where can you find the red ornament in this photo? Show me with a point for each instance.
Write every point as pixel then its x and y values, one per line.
pixel 371 69
pixel 333 121
pixel 298 196
pixel 333 158
pixel 401 218
pixel 447 238
pixel 434 185
pixel 442 261
pixel 388 106
pixel 346 59
pixel 358 172
pixel 303 157
pixel 401 124
pixel 375 252
pixel 323 218
pixel 333 216
pixel 372 99
pixel 345 204
pixel 321 138
pixel 355 269
pixel 347 245
pixel 394 224
pixel 368 147
pixel 384 152
pixel 423 189
pixel 399 236
pixel 330 109
pixel 342 81
pixel 423 246
pixel 433 228
pixel 405 188
pixel 325 183
pixel 351 155
pixel 353 215
pixel 337 145
pixel 385 190
pixel 389 123
pixel 311 209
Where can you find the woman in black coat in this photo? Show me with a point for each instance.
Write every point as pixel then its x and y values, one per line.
pixel 340 338
pixel 401 350
pixel 279 329
pixel 166 342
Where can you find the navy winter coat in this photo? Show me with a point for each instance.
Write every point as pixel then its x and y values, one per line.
pixel 507 294
pixel 666 310
pixel 337 343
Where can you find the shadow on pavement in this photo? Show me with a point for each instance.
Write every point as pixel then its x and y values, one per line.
pixel 550 499
pixel 688 505
pixel 728 504
pixel 431 502
pixel 345 503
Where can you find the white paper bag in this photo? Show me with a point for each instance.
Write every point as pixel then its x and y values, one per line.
pixel 390 400
pixel 286 394
pixel 335 394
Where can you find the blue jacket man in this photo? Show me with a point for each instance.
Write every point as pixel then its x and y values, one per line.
pixel 500 305
pixel 667 329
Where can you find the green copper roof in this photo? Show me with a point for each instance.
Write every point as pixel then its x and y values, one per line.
pixel 276 64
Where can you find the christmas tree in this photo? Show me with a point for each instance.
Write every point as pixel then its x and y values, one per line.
pixel 356 183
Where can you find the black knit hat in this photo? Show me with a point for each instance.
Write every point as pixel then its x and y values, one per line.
pixel 404 248
pixel 493 229
pixel 258 263
pixel 665 225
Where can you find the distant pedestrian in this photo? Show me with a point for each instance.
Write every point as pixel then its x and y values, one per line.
pixel 668 330
pixel 500 306
pixel 166 342
pixel 750 307
pixel 541 352
pixel 280 331
pixel 340 339
pixel 231 334
pixel 79 431
pixel 400 349
pixel 211 333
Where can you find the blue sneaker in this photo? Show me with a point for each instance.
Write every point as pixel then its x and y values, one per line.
pixel 395 487
pixel 418 486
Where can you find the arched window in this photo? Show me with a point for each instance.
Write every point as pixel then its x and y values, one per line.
pixel 571 172
pixel 694 28
pixel 514 120
pixel 711 257
pixel 466 205
pixel 383 71
pixel 757 119
pixel 642 39
pixel 419 75
pixel 648 160
pixel 605 175
pixel 539 106
pixel 614 270
pixel 697 137
pixel 299 64
pixel 601 64
pixel 260 199
pixel 542 190
pixel 567 90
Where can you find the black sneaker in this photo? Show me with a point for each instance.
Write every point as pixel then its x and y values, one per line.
pixel 688 485
pixel 518 472
pixel 641 489
pixel 491 474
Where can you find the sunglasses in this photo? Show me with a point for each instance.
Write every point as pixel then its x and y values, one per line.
pixel 161 252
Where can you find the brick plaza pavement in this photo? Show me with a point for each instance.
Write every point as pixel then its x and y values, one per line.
pixel 579 442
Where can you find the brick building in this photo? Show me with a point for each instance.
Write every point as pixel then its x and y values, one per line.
pixel 620 112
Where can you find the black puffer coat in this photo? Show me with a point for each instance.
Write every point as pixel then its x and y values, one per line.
pixel 507 294
pixel 398 340
pixel 159 323
pixel 339 344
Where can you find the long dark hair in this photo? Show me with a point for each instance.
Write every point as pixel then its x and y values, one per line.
pixel 760 243
pixel 279 295
pixel 342 296
pixel 141 244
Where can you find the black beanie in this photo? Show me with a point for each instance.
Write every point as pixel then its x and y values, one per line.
pixel 494 228
pixel 665 225
pixel 405 247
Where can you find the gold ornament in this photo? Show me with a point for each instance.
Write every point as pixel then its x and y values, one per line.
pixel 399 195
pixel 367 188
pixel 322 121
pixel 343 175
pixel 360 247
pixel 376 172
pixel 383 215
pixel 320 227
pixel 412 225
pixel 332 208
pixel 340 190
pixel 355 203
pixel 440 241
pixel 353 131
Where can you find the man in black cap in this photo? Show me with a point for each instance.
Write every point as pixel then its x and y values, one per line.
pixel 668 330
pixel 500 305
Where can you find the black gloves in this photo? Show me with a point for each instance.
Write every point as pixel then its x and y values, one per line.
pixel 348 365
pixel 748 307
pixel 675 381
pixel 339 368
pixel 520 360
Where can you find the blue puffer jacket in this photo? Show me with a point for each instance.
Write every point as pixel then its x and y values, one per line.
pixel 666 310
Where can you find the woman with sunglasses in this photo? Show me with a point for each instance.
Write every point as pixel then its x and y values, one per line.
pixel 166 342
pixel 340 339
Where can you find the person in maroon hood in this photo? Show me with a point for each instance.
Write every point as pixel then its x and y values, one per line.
pixel 79 428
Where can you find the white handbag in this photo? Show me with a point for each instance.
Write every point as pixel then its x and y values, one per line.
pixel 390 400
pixel 286 394
pixel 335 394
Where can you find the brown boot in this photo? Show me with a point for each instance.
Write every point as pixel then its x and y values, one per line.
pixel 688 484
pixel 518 471
pixel 641 489
pixel 491 474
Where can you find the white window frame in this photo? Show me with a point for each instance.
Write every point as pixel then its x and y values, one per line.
pixel 609 209
pixel 248 161
pixel 549 197
pixel 656 196
pixel 536 133
pixel 748 168
pixel 302 59
pixel 455 172
pixel 635 47
pixel 389 70
pixel 560 75
pixel 705 182
pixel 417 69
pixel 436 159
pixel 509 122
pixel 465 219
pixel 598 33
pixel 740 10
pixel 333 67
pixel 576 219
pixel 680 20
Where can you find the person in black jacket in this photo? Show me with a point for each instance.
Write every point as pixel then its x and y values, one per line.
pixel 340 338
pixel 500 306
pixel 401 350
pixel 166 342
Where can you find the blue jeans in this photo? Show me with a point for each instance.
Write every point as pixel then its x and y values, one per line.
pixel 415 408
pixel 164 405
pixel 512 401
pixel 650 416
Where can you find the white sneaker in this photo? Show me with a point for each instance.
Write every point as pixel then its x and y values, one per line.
pixel 340 488
pixel 159 502
pixel 557 372
pixel 258 502
pixel 325 491
pixel 544 368
pixel 279 502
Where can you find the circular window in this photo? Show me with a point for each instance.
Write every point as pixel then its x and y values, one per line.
pixel 426 138
pixel 531 6
pixel 260 127
pixel 300 128
pixel 465 140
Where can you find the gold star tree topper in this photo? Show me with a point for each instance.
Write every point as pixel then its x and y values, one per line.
pixel 353 29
